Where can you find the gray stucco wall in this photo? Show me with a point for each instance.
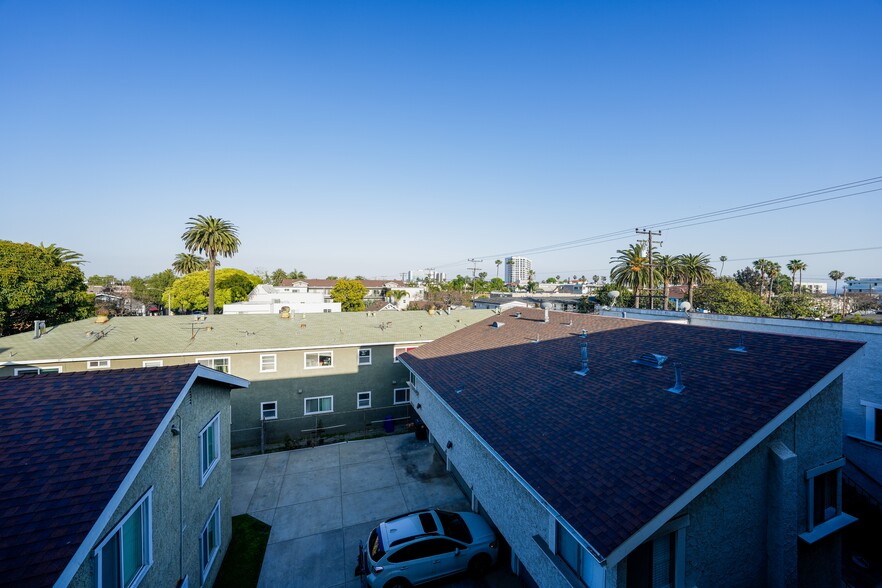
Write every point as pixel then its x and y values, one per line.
pixel 726 541
pixel 162 472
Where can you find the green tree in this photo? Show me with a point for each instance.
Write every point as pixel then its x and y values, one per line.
pixel 187 263
pixel 396 295
pixel 723 260
pixel 211 236
pixel 749 279
pixel 295 275
pixel 277 276
pixel 551 281
pixel 631 271
pixel 63 255
pixel 350 294
pixel 38 285
pixel 497 284
pixel 498 263
pixel 796 265
pixel 797 305
pixel 625 299
pixel 696 269
pixel 149 290
pixel 193 291
pixel 725 296
pixel 836 275
pixel 668 268
pixel 104 281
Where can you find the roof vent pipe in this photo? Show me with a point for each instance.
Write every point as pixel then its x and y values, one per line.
pixel 584 333
pixel 584 369
pixel 546 314
pixel 39 328
pixel 678 383
pixel 741 348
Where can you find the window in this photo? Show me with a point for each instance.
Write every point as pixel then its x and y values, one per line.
pixel 268 411
pixel 209 448
pixel 824 501
pixel 651 565
pixel 873 420
pixel 318 405
pixel 126 554
pixel 268 363
pixel 364 357
pixel 318 359
pixel 364 400
pixel 209 541
pixel 221 364
pixel 399 350
pixel 34 370
pixel 401 395
pixel 152 363
pixel 97 364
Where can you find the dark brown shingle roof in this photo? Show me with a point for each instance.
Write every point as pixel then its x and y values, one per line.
pixel 68 440
pixel 610 450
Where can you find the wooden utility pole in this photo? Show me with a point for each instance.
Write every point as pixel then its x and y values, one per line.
pixel 649 234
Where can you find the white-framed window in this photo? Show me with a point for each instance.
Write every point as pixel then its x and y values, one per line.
pixel 318 359
pixel 209 541
pixel 125 555
pixel 363 400
pixel 401 395
pixel 659 562
pixel 318 405
pixel 209 448
pixel 152 363
pixel 221 364
pixel 268 363
pixel 399 350
pixel 269 411
pixel 364 356
pixel 37 370
pixel 824 501
pixel 873 421
pixel 97 364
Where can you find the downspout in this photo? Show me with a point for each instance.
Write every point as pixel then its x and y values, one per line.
pixel 181 493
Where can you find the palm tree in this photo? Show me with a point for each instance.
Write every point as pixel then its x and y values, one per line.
pixel 211 236
pixel 510 263
pixel 632 270
pixel 762 266
pixel 723 260
pixel 774 270
pixel 836 275
pixel 498 262
pixel 668 267
pixel 187 263
pixel 62 255
pixel 696 269
pixel 796 265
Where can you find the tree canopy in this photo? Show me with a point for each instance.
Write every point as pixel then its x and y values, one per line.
pixel 350 294
pixel 214 237
pixel 726 296
pixel 36 284
pixel 191 292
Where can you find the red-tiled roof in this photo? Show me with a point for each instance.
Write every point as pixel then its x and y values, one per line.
pixel 610 450
pixel 67 441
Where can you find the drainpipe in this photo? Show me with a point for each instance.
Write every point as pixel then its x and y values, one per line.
pixel 181 492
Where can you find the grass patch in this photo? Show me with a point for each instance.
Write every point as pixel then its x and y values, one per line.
pixel 244 558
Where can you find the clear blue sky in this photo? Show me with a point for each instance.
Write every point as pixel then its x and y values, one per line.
pixel 376 137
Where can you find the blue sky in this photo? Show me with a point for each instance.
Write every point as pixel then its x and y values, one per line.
pixel 375 137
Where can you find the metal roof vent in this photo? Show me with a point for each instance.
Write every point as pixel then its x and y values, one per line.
pixel 741 348
pixel 584 334
pixel 39 329
pixel 546 315
pixel 651 359
pixel 517 315
pixel 678 381
pixel 584 370
pixel 496 324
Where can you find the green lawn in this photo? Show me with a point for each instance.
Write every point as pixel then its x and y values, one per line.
pixel 241 567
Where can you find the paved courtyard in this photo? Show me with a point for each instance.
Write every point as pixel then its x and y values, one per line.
pixel 322 501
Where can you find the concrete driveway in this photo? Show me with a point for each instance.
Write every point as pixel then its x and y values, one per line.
pixel 322 501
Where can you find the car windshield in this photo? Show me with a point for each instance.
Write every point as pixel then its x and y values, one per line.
pixel 454 526
pixel 375 545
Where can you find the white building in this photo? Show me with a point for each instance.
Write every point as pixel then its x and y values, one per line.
pixel 268 299
pixel 864 286
pixel 517 270
pixel 814 287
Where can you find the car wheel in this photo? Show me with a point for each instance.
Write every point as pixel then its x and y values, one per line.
pixel 397 583
pixel 480 564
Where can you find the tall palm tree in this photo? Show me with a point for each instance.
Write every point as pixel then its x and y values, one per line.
pixel 668 267
pixel 211 236
pixel 187 263
pixel 723 260
pixel 774 270
pixel 498 262
pixel 63 255
pixel 632 270
pixel 836 275
pixel 696 269
pixel 762 266
pixel 796 265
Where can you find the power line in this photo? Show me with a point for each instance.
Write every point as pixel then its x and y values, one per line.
pixel 794 255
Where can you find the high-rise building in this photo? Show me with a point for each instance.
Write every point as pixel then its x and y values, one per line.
pixel 517 270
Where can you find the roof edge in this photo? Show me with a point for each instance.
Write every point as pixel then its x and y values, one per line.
pixel 642 534
pixel 82 552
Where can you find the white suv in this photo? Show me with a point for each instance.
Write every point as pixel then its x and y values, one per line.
pixel 422 546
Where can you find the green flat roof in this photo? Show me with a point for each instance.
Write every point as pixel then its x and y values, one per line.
pixel 187 334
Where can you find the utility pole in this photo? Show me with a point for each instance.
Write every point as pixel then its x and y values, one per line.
pixel 474 268
pixel 649 234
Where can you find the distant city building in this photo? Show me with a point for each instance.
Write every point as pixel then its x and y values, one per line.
pixel 864 286
pixel 517 270
pixel 815 287
pixel 426 275
pixel 268 299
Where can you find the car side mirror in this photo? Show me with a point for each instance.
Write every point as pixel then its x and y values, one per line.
pixel 456 551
